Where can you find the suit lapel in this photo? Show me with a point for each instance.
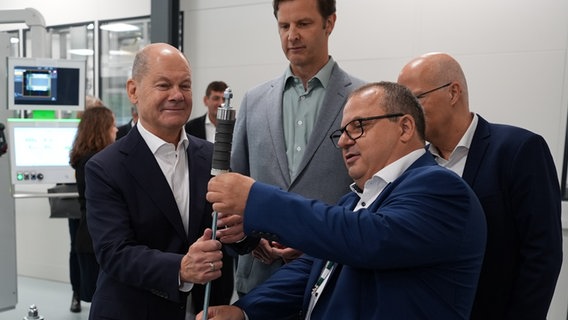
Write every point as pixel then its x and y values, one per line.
pixel 276 127
pixel 477 150
pixel 142 164
pixel 330 112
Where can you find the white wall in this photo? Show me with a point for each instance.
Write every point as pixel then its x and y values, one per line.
pixel 514 54
pixel 61 12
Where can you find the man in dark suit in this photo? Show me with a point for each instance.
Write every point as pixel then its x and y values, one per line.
pixel 512 172
pixel 283 124
pixel 204 127
pixel 125 128
pixel 406 243
pixel 147 212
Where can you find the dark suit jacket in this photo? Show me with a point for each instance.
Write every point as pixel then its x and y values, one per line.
pixel 414 253
pixel 196 127
pixel 123 129
pixel 512 172
pixel 138 235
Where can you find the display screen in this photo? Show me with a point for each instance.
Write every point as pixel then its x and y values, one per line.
pixel 39 150
pixel 43 146
pixel 46 84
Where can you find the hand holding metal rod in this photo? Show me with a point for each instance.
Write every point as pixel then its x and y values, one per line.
pixel 221 161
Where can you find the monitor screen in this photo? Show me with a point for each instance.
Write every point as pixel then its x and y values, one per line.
pixel 39 150
pixel 46 84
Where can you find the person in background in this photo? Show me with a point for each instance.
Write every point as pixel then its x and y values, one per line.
pixel 512 172
pixel 96 130
pixel 406 243
pixel 282 126
pixel 125 128
pixel 204 127
pixel 148 216
pixel 74 267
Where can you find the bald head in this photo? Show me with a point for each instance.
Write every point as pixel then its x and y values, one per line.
pixel 434 69
pixel 438 81
pixel 154 51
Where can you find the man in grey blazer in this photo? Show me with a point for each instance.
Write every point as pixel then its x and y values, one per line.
pixel 282 129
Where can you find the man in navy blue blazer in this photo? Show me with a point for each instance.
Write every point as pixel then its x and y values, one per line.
pixel 512 172
pixel 406 243
pixel 146 207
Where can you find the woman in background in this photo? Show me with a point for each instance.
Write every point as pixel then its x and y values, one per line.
pixel 96 130
pixel 74 271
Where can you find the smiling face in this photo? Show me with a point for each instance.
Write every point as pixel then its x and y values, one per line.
pixel 304 33
pixel 162 91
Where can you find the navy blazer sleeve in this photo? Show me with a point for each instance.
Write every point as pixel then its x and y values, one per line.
pixel 536 200
pixel 416 224
pixel 282 295
pixel 513 173
pixel 418 248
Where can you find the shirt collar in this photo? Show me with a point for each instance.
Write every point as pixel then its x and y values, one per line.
pixel 391 172
pixel 207 120
pixel 465 141
pixel 154 142
pixel 322 75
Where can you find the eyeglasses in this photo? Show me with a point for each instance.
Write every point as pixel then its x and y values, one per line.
pixel 423 94
pixel 354 129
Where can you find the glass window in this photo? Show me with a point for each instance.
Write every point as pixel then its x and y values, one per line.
pixel 75 41
pixel 119 41
pixel 15 43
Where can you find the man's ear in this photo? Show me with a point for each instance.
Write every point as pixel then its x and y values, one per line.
pixel 131 91
pixel 407 127
pixel 455 92
pixel 330 24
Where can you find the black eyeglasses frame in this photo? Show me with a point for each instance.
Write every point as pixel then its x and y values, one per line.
pixel 423 94
pixel 336 135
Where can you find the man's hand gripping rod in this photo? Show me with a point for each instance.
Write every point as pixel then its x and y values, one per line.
pixel 221 161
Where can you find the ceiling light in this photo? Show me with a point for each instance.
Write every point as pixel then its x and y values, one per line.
pixel 119 27
pixel 120 53
pixel 82 52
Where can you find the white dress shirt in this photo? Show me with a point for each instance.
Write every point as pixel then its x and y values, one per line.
pixel 458 157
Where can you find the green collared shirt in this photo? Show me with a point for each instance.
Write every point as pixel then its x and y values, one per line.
pixel 300 109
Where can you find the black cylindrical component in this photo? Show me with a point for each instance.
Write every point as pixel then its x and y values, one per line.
pixel 223 136
pixel 222 148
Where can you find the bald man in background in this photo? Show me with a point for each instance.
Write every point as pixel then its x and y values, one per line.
pixel 512 172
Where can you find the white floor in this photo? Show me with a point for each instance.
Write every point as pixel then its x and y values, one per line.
pixel 51 298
